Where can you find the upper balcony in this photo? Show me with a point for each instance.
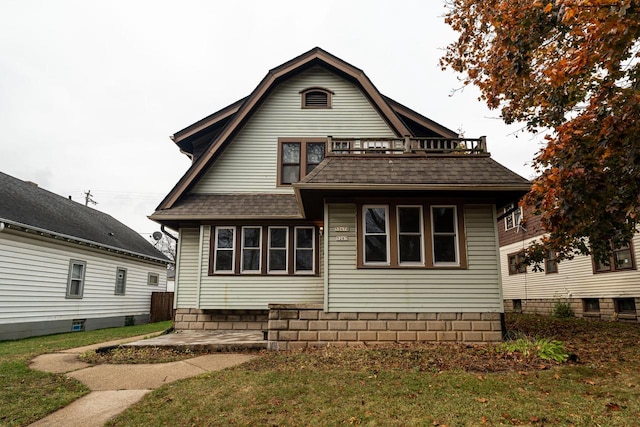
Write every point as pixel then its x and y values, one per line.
pixel 407 145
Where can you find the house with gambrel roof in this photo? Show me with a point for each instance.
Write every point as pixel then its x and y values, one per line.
pixel 66 267
pixel 321 211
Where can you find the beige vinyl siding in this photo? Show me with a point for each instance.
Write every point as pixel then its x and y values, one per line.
pixel 249 164
pixel 475 289
pixel 34 274
pixel 574 279
pixel 187 274
pixel 254 292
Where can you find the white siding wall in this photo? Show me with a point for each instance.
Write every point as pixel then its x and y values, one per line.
pixel 574 279
pixel 237 291
pixel 34 274
pixel 249 164
pixel 475 289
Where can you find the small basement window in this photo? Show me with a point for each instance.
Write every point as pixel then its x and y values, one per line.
pixel 517 305
pixel 316 97
pixel 625 306
pixel 591 305
pixel 77 325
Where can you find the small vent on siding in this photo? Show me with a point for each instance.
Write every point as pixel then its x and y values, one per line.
pixel 316 98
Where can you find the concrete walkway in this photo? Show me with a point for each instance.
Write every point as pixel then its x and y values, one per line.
pixel 116 387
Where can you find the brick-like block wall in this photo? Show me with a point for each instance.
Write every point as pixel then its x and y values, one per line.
pixel 298 326
pixel 196 319
pixel 545 306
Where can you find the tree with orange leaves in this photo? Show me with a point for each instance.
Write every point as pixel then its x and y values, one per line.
pixel 571 67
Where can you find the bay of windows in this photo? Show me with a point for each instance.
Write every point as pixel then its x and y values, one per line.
pixel 396 236
pixel 264 250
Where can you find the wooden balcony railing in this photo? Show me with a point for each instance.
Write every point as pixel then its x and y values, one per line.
pixel 407 145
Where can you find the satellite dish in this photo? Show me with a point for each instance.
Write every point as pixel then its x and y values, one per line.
pixel 156 235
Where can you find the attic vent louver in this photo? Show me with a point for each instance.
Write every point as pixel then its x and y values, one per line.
pixel 316 98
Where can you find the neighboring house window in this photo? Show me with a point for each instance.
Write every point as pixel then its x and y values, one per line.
pixel 517 305
pixel 516 263
pixel 620 259
pixel 121 281
pixel 286 250
pixel 591 305
pixel 251 249
pixel 625 305
pixel 298 157
pixel 513 216
pixel 551 262
pixel 153 279
pixel 278 248
pixel 445 241
pixel 316 97
pixel 304 244
pixel 410 238
pixel 75 281
pixel 224 250
pixel 376 234
pixel 398 236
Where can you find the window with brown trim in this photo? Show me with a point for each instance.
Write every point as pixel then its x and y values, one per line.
pixel 264 249
pixel 591 305
pixel 402 235
pixel 297 157
pixel 550 263
pixel 316 97
pixel 516 263
pixel 620 259
pixel 625 306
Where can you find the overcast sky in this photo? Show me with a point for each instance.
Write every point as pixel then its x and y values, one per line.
pixel 90 91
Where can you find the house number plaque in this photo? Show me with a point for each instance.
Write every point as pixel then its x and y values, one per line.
pixel 342 238
pixel 341 229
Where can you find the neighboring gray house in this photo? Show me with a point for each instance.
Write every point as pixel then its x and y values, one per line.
pixel 66 267
pixel 324 212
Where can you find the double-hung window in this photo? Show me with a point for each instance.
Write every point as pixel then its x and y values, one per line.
pixel 277 258
pixel 516 263
pixel 621 258
pixel 304 249
pixel 251 249
pixel 444 225
pixel 225 250
pixel 121 281
pixel 376 234
pixel 75 281
pixel 513 216
pixel 410 238
pixel 298 157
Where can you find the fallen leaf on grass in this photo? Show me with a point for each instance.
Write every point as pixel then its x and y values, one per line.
pixel 612 407
pixel 590 382
pixel 481 400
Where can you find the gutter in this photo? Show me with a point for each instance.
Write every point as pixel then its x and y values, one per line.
pixel 13 224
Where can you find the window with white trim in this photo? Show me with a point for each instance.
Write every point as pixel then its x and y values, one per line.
pixel 277 259
pixel 75 281
pixel 153 279
pixel 376 234
pixel 444 230
pixel 225 250
pixel 251 250
pixel 410 237
pixel 513 218
pixel 304 249
pixel 121 281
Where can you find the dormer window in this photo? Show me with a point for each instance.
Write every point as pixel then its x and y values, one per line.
pixel 316 97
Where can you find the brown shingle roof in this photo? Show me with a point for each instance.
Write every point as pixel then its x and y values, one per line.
pixel 410 171
pixel 231 206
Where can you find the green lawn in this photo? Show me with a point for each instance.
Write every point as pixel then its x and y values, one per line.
pixel 26 395
pixel 426 385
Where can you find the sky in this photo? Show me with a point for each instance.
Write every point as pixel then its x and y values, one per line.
pixel 90 91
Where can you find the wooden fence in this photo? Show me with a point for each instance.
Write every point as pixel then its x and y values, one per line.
pixel 162 306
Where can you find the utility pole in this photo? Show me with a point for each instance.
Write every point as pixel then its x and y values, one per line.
pixel 88 199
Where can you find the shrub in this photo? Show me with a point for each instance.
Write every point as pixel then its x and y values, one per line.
pixel 544 348
pixel 562 310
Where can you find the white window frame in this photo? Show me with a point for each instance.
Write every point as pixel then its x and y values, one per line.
pixel 157 276
pixel 286 250
pixel 70 278
pixel 387 233
pixel 124 281
pixel 313 250
pixel 456 236
pixel 515 217
pixel 420 233
pixel 232 249
pixel 259 249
